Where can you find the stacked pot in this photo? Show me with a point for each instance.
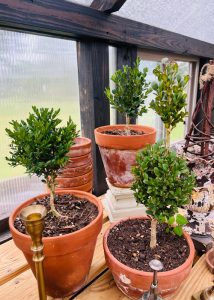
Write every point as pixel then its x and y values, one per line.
pixel 78 172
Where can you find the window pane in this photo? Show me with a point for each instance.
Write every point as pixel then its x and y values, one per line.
pixel 35 70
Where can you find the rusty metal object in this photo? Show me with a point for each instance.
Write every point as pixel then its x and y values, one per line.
pixel 201 132
pixel 33 217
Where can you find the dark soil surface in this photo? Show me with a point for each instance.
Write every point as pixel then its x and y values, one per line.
pixel 124 132
pixel 78 214
pixel 129 243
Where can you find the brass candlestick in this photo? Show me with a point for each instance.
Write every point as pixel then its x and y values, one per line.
pixel 208 294
pixel 33 217
pixel 156 266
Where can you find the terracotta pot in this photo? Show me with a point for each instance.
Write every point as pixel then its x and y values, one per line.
pixel 133 283
pixel 74 172
pixel 78 172
pixel 210 260
pixel 119 152
pixel 75 181
pixel 85 187
pixel 81 147
pixel 79 161
pixel 68 257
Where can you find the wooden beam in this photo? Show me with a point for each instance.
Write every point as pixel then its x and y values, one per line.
pixel 125 56
pixel 107 6
pixel 60 18
pixel 93 71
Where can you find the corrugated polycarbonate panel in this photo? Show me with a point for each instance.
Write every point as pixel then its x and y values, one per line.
pixel 35 70
pixel 193 18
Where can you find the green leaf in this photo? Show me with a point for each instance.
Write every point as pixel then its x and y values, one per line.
pixel 181 220
pixel 178 230
pixel 171 220
pixel 154 86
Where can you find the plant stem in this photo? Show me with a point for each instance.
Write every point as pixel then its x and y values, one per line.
pixel 153 241
pixel 127 125
pixel 127 120
pixel 167 140
pixel 51 186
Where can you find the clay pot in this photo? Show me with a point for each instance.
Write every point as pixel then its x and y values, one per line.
pixel 75 172
pixel 210 260
pixel 68 257
pixel 66 182
pixel 133 283
pixel 81 147
pixel 85 187
pixel 119 152
pixel 79 161
pixel 78 172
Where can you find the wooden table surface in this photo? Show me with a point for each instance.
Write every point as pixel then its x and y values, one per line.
pixel 18 283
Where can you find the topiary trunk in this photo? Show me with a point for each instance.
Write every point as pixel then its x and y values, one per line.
pixel 153 240
pixel 167 140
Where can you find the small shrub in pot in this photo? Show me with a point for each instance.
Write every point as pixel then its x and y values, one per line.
pixel 162 183
pixel 41 145
pixel 117 142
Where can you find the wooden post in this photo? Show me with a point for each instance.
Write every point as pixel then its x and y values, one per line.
pixel 93 72
pixel 125 56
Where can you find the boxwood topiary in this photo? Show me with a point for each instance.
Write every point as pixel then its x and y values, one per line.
pixel 162 183
pixel 130 92
pixel 170 95
pixel 40 145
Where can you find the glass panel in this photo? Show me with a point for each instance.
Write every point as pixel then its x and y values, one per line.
pixel 35 70
pixel 151 118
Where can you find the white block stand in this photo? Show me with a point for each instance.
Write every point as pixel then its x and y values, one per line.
pixel 120 203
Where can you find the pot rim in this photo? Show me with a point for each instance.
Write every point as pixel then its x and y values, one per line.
pixel 76 145
pixel 99 130
pixel 147 274
pixel 87 195
pixel 125 142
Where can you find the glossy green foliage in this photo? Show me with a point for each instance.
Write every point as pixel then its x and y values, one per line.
pixel 170 95
pixel 131 90
pixel 163 183
pixel 39 144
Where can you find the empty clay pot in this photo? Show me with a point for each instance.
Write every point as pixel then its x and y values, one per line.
pixel 133 283
pixel 85 187
pixel 78 172
pixel 81 147
pixel 74 172
pixel 119 152
pixel 67 182
pixel 79 161
pixel 68 257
